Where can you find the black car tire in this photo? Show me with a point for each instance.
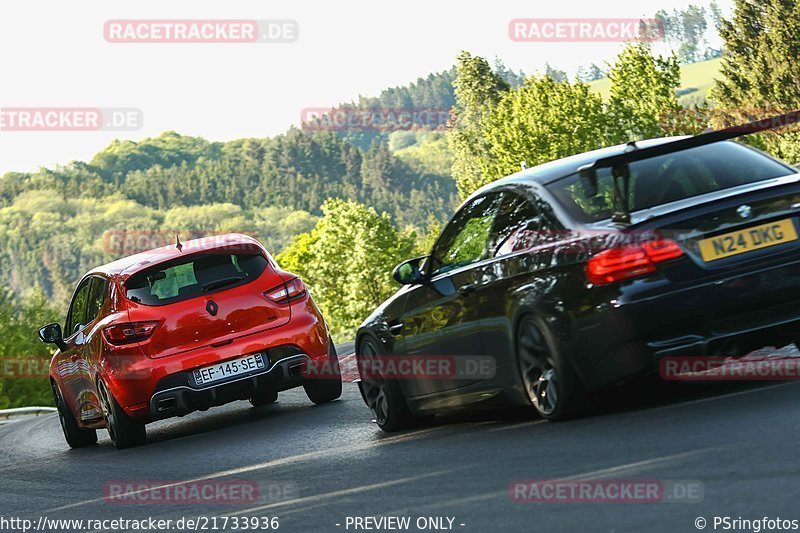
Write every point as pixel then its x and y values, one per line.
pixel 265 398
pixel 76 436
pixel 550 382
pixel 323 390
pixel 124 432
pixel 383 396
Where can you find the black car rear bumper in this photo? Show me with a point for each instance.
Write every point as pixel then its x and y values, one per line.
pixel 630 329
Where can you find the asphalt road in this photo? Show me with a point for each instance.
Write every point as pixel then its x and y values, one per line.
pixel 315 466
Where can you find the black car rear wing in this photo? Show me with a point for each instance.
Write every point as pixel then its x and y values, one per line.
pixel 619 163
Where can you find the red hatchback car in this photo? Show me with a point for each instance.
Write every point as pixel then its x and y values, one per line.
pixel 184 328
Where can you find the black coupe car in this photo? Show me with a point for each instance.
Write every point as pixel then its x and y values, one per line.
pixel 582 272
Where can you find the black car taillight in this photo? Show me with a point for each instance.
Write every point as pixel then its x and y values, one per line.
pixel 119 334
pixel 289 291
pixel 630 261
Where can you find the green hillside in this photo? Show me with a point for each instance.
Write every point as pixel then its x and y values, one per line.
pixel 696 80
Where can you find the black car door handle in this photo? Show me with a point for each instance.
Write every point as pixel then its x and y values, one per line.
pixel 467 289
pixel 395 329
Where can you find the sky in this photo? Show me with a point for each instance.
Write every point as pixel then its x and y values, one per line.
pixel 54 55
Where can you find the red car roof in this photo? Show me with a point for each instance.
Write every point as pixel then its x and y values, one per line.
pixel 133 263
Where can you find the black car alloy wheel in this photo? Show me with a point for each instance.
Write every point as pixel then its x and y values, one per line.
pixel 537 360
pixel 375 391
pixel 382 394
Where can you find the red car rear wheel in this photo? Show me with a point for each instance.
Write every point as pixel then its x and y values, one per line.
pixel 124 432
pixel 323 390
pixel 75 436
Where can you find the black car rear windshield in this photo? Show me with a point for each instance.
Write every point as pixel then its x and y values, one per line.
pixel 185 278
pixel 669 178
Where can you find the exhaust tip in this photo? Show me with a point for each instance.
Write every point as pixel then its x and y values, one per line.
pixel 297 369
pixel 166 404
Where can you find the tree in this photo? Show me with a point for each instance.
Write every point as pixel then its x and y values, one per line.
pixel 23 357
pixel 716 14
pixel 424 243
pixel 760 71
pixel 554 73
pixel 693 23
pixel 642 93
pixel 477 90
pixel 429 155
pixel 590 73
pixel 514 79
pixel 379 172
pixel 595 73
pixel 401 139
pixel 543 120
pixel 688 27
pixel 347 260
pixel 547 119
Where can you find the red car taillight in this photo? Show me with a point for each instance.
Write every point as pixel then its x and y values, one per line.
pixel 129 332
pixel 630 261
pixel 291 290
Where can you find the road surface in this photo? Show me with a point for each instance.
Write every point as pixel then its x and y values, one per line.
pixel 318 468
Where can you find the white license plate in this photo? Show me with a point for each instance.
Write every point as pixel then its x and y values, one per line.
pixel 234 367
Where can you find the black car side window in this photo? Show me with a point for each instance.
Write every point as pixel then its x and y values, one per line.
pixel 77 309
pixel 97 294
pixel 518 226
pixel 465 240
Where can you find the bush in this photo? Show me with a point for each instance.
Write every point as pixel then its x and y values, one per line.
pixel 21 351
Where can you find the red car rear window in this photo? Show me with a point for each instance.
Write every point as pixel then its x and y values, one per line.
pixel 193 276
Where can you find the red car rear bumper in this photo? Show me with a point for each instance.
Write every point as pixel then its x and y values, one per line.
pixel 149 389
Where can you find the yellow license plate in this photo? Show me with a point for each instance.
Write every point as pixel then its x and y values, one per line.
pixel 747 240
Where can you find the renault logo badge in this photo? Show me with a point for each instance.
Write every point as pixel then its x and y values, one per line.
pixel 212 307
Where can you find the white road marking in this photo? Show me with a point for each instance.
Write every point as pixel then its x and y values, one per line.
pixel 594 474
pixel 720 397
pixel 283 461
pixel 346 492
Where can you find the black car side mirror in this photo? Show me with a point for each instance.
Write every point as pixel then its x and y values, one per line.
pixel 51 334
pixel 408 272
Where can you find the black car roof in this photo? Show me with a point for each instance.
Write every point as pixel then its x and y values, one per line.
pixel 560 168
